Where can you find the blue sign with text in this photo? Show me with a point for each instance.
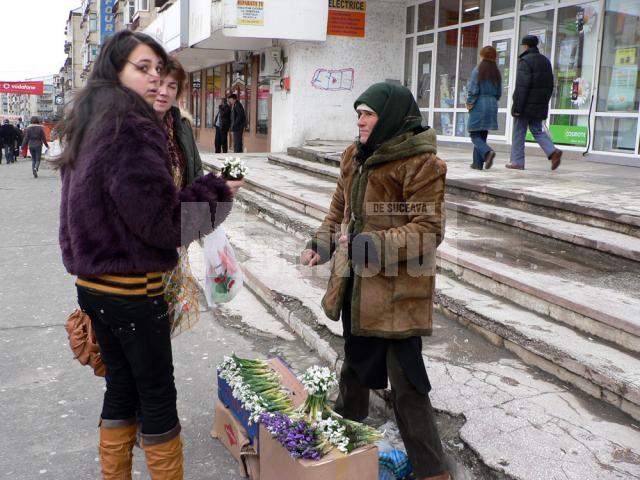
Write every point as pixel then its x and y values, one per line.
pixel 107 19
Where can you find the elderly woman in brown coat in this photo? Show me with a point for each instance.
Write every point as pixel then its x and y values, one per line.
pixel 385 222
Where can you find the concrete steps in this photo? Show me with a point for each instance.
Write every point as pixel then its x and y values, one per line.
pixel 585 208
pixel 519 291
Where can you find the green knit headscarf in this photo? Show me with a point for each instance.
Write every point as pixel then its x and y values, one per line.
pixel 397 111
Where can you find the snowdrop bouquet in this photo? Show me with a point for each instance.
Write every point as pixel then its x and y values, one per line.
pixel 234 169
pixel 255 385
pixel 317 381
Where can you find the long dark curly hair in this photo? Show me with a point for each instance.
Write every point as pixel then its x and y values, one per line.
pixel 104 98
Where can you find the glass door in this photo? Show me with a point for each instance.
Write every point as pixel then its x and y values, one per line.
pixel 504 48
pixel 424 80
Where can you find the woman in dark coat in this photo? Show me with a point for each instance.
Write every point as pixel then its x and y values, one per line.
pixel 121 221
pixel 485 89
pixel 34 138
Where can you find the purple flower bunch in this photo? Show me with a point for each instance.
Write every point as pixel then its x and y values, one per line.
pixel 297 436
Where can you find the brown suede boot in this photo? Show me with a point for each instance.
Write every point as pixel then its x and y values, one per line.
pixel 164 460
pixel 116 451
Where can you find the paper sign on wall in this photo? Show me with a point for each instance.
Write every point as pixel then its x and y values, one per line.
pixel 347 18
pixel 250 12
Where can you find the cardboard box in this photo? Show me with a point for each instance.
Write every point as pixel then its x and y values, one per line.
pixel 232 435
pixel 277 464
pixel 288 380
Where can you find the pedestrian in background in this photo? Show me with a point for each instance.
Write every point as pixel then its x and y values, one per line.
pixel 222 123
pixel 8 138
pixel 533 90
pixel 35 138
pixel 484 92
pixel 238 122
pixel 121 221
pixel 19 136
pixel 383 266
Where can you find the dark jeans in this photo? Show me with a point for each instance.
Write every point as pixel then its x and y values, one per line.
pixel 413 411
pixel 480 147
pixel 237 140
pixel 8 153
pixel 135 344
pixel 36 153
pixel 222 140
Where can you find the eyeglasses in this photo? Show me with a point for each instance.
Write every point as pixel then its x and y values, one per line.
pixel 146 69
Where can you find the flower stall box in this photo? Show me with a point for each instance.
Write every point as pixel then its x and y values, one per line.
pixel 228 430
pixel 277 464
pixel 288 380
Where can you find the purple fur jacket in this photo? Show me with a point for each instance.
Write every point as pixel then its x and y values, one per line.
pixel 121 212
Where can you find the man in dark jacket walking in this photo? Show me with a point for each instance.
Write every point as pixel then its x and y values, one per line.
pixel 8 136
pixel 222 123
pixel 238 122
pixel 534 86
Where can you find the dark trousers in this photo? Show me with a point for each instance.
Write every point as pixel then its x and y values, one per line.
pixel 8 153
pixel 480 147
pixel 413 411
pixel 36 153
pixel 237 140
pixel 222 140
pixel 135 344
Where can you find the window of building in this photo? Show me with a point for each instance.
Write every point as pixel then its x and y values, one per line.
pixel 446 69
pixel 443 123
pixel 142 5
pixel 93 22
pixel 426 16
pixel 449 13
pixel 472 10
pixel 241 86
pixel 539 24
pixel 502 24
pixel 470 45
pixel 501 7
pixel 408 63
pixel 262 111
pixel 530 4
pixel 576 40
pixel 411 18
pixel 424 39
pixel 210 107
pixel 196 85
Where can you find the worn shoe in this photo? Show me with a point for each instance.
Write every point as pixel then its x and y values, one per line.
pixel 35 173
pixel 555 158
pixel 513 166
pixel 474 167
pixel 488 159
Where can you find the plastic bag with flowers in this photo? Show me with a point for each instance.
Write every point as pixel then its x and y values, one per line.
pixel 181 293
pixel 223 273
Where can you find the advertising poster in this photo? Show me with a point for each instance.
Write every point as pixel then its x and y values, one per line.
pixel 622 90
pixel 250 12
pixel 347 18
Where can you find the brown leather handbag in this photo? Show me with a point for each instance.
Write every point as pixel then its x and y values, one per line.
pixel 82 340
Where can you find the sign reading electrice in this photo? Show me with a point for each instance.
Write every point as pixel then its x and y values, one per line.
pixel 107 19
pixel 347 18
pixel 25 88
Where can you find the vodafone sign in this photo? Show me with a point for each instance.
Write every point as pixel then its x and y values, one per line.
pixel 26 88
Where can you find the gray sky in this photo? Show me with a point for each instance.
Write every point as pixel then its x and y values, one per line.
pixel 33 37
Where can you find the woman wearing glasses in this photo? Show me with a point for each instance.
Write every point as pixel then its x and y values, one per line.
pixel 121 221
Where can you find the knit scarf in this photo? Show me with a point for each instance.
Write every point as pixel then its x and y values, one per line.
pixel 175 152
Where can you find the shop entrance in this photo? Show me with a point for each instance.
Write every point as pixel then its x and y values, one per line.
pixel 424 81
pixel 503 43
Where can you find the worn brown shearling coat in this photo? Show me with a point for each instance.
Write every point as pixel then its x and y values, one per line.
pixel 397 197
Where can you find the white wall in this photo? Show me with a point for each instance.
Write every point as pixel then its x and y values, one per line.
pixel 308 112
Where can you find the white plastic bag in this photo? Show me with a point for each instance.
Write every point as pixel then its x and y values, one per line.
pixel 223 273
pixel 54 150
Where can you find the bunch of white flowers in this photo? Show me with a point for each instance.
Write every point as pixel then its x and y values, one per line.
pixel 234 169
pixel 334 432
pixel 318 380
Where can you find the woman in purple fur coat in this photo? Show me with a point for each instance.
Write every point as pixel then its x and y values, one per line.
pixel 121 221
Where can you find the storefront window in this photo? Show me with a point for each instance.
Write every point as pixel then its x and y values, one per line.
pixel 472 10
pixel 501 7
pixel 528 4
pixel 210 110
pixel 424 39
pixel 262 112
pixel 240 85
pixel 446 69
pixel 576 40
pixel 424 79
pixel 408 63
pixel 503 24
pixel 449 12
pixel 411 12
pixel 541 25
pixel 470 45
pixel 620 64
pixel 426 16
pixel 196 85
pixel 615 134
pixel 443 123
